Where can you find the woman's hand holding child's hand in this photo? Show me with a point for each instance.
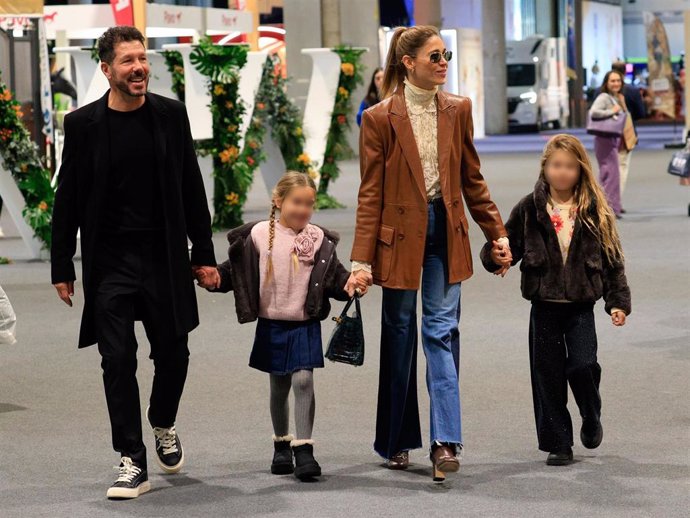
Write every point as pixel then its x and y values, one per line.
pixel 618 318
pixel 359 282
pixel 500 254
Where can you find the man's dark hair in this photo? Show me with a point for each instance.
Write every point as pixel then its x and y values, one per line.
pixel 113 36
pixel 619 66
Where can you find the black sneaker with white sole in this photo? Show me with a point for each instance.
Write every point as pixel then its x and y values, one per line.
pixel 131 482
pixel 169 452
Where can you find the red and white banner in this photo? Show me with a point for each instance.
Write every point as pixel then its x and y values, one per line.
pixel 123 12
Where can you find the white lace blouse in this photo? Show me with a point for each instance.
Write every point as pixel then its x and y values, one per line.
pixel 421 109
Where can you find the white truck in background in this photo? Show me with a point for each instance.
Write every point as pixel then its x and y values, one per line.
pixel 537 83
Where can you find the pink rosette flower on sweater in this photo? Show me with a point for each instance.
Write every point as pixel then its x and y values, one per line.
pixel 304 246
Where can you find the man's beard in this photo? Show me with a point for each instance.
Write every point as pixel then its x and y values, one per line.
pixel 124 85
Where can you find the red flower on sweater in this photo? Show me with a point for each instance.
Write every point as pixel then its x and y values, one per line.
pixel 557 221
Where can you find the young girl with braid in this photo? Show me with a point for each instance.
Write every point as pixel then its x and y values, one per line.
pixel 283 272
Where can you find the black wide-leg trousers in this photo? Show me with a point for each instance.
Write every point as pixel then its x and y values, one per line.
pixel 132 284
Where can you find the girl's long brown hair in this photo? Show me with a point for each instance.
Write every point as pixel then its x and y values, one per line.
pixel 590 201
pixel 288 181
pixel 406 41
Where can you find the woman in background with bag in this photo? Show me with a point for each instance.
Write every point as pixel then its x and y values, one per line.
pixel 8 320
pixel 610 104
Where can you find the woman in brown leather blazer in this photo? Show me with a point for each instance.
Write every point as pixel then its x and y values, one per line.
pixel 418 161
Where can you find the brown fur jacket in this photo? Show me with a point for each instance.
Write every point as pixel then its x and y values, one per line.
pixel 240 274
pixel 587 274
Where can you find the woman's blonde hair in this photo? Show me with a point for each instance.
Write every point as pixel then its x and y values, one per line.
pixel 590 201
pixel 287 182
pixel 406 41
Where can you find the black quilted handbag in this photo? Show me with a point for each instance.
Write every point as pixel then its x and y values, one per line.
pixel 346 344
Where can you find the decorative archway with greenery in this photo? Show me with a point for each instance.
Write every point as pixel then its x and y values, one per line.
pixel 273 110
pixel 234 168
pixel 21 157
pixel 337 147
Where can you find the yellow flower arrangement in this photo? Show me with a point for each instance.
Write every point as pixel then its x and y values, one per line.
pixel 228 154
pixel 304 159
pixel 348 69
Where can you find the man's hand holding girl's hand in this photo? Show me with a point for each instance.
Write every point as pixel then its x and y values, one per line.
pixel 207 277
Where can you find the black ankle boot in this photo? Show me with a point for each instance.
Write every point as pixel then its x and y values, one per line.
pixel 561 457
pixel 306 466
pixel 282 456
pixel 591 433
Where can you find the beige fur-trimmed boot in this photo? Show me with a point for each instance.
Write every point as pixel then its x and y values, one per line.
pixel 306 467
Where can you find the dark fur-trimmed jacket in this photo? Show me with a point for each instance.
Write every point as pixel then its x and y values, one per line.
pixel 587 274
pixel 240 274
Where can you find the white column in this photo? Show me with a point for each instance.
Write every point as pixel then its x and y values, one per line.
pixel 13 200
pixel 320 102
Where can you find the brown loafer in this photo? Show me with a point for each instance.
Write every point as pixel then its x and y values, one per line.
pixel 400 460
pixel 444 461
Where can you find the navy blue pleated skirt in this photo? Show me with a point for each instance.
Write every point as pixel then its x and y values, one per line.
pixel 282 347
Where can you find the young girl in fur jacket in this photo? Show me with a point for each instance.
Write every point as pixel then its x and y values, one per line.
pixel 283 272
pixel 565 234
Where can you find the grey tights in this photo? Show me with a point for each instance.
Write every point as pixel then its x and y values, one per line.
pixel 302 384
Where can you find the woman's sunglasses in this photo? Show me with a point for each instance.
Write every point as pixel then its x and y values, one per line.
pixel 436 56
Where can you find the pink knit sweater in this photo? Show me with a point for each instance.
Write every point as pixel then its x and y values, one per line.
pixel 284 295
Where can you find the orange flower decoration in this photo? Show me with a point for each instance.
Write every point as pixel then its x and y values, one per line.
pixel 232 198
pixel 342 119
pixel 304 159
pixel 218 90
pixel 43 206
pixel 228 154
pixel 348 69
pixel 343 92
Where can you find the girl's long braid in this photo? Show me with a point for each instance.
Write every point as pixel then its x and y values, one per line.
pixel 271 238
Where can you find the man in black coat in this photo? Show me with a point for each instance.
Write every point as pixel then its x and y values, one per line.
pixel 130 182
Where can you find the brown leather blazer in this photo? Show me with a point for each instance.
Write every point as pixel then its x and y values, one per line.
pixel 392 210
